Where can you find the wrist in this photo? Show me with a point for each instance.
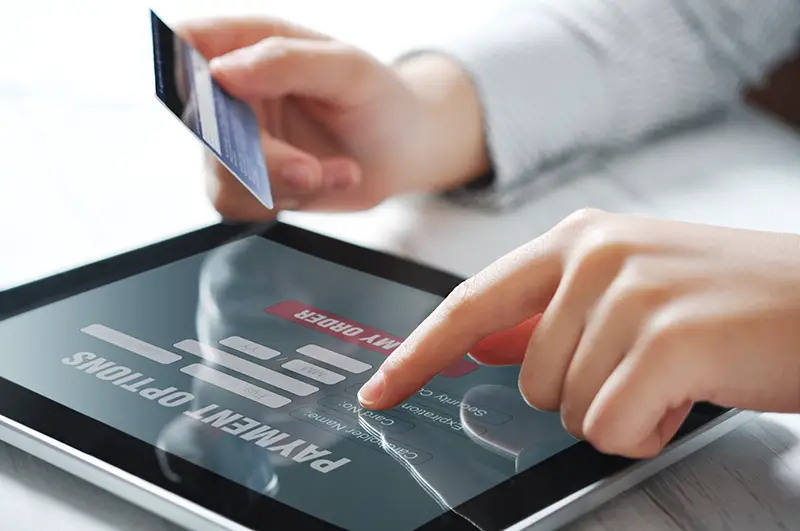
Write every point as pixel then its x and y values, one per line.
pixel 451 138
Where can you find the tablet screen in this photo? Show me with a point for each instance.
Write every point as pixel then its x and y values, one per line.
pixel 246 360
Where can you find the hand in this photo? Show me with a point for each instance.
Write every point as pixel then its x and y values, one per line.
pixel 341 131
pixel 639 319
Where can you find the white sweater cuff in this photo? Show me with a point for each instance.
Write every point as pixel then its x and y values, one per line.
pixel 538 88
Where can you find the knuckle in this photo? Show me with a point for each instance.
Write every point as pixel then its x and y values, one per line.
pixel 359 66
pixel 274 45
pixel 274 49
pixel 664 336
pixel 461 300
pixel 634 291
pixel 582 219
pixel 599 248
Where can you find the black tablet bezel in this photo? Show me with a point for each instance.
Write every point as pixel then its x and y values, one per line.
pixel 514 500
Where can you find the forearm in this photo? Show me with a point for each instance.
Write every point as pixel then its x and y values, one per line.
pixel 558 79
pixel 452 139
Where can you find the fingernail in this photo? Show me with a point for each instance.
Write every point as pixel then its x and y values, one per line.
pixel 371 391
pixel 296 175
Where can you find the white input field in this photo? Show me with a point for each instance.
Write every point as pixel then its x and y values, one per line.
pixel 236 386
pixel 131 344
pixel 334 358
pixel 248 368
pixel 309 370
pixel 251 348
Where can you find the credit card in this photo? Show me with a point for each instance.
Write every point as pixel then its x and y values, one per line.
pixel 224 124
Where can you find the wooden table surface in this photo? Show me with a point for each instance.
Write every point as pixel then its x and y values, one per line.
pixel 91 165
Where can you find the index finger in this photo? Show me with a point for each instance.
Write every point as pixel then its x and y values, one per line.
pixel 501 296
pixel 213 37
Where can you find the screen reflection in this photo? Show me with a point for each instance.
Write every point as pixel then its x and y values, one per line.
pixel 452 441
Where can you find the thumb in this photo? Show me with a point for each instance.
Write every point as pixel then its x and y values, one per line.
pixel 280 66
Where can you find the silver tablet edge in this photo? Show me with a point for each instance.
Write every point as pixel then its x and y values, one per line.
pixel 190 515
pixel 589 498
pixel 149 497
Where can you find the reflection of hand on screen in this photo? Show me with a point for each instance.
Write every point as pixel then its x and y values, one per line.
pixel 527 438
pixel 435 476
pixel 234 281
pixel 495 418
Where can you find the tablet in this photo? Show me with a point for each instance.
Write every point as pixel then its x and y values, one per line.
pixel 212 379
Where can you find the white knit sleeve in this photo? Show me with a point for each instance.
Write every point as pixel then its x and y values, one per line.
pixel 563 79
